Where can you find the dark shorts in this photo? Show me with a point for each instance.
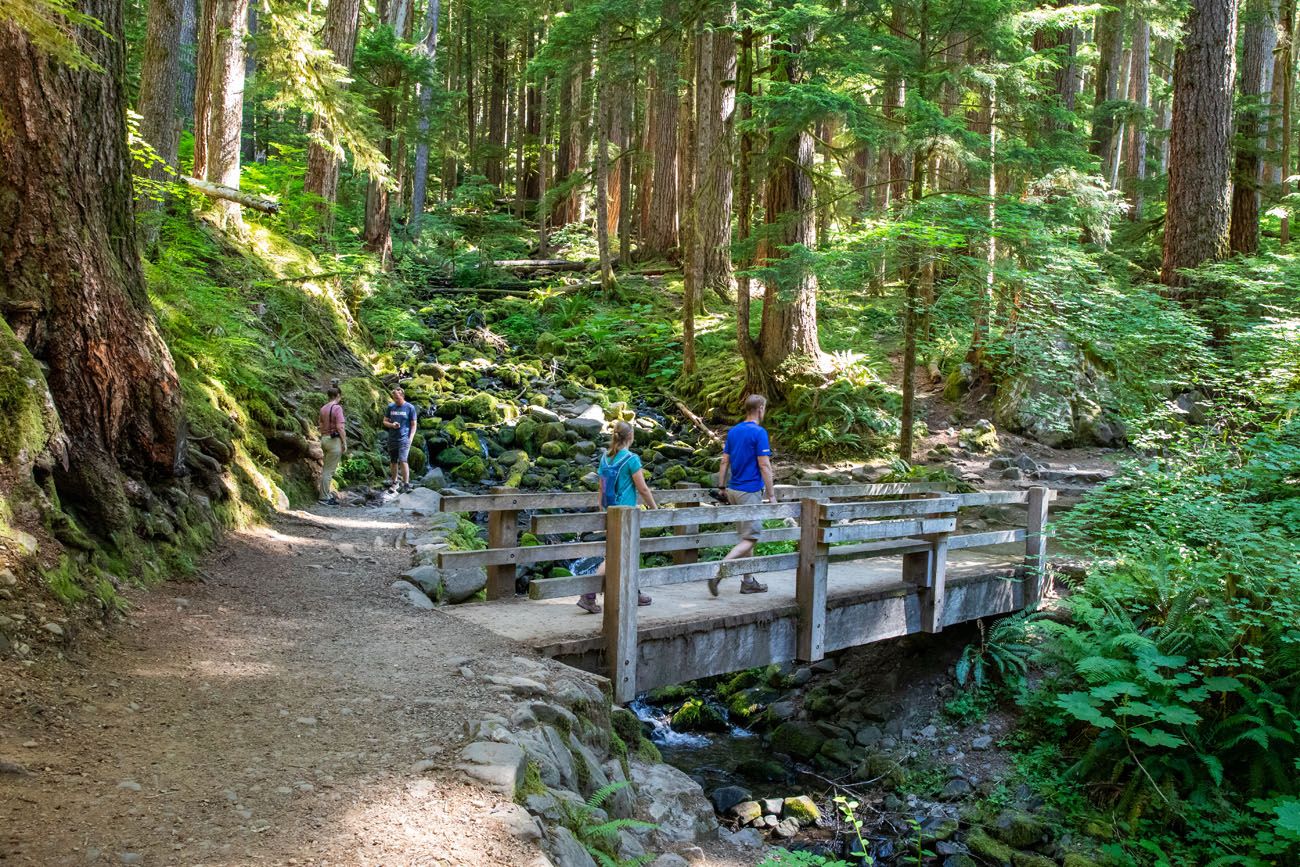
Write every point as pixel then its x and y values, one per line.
pixel 398 450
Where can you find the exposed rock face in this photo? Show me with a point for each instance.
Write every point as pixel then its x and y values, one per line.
pixel 555 748
pixel 1061 412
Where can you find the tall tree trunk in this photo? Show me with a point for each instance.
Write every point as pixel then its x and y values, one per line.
pixel 471 113
pixel 745 216
pixel 543 167
pixel 494 163
pixel 603 120
pixel 340 39
pixel 1258 41
pixel 221 83
pixel 686 149
pixel 619 93
pixel 71 287
pixel 714 154
pixel 1199 200
pixel 377 234
pixel 662 235
pixel 521 125
pixel 1288 94
pixel 1140 94
pixel 248 147
pixel 420 174
pixel 160 124
pixel 789 327
pixel 1110 70
pixel 188 51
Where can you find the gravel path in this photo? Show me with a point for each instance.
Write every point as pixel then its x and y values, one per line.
pixel 274 713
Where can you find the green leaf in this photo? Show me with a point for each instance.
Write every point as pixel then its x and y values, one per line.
pixel 1083 707
pixel 1179 715
pixel 1222 684
pixel 1112 691
pixel 1156 737
pixel 1287 823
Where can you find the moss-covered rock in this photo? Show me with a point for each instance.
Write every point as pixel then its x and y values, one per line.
pixel 674 692
pixel 553 450
pixel 762 770
pixel 887 770
pixel 1074 859
pixel 988 849
pixel 800 740
pixel 1018 829
pixel 820 703
pixel 1031 859
pixel 699 716
pixel 801 809
pixel 836 753
pixel 417 461
pixel 471 470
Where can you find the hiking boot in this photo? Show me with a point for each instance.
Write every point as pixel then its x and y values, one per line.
pixel 715 581
pixel 588 604
pixel 406 488
pixel 643 599
pixel 749 585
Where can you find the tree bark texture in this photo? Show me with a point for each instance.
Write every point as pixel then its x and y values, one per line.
pixel 340 38
pixel 716 101
pixel 71 286
pixel 188 50
pixel 221 91
pixel 662 237
pixel 1110 69
pixel 1258 41
pixel 1140 95
pixel 160 70
pixel 420 174
pixel 494 159
pixel 789 326
pixel 1199 200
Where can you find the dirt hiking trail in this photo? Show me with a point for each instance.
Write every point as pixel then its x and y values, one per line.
pixel 277 712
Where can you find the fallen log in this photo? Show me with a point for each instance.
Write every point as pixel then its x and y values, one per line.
pixel 230 194
pixel 543 265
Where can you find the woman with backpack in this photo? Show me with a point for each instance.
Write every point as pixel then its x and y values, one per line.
pixel 621 479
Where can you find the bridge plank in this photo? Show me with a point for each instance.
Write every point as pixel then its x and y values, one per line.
pixel 827 492
pixel 522 501
pixel 888 508
pixel 888 530
pixel 979 540
pixel 594 521
pixel 991 498
pixel 1036 546
pixel 574 550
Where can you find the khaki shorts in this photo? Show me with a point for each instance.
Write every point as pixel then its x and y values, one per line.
pixel 746 529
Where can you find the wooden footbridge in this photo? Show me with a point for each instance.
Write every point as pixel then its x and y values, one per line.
pixel 872 562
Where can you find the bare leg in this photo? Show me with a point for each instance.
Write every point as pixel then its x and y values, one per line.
pixel 406 473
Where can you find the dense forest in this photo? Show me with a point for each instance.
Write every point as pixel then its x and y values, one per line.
pixel 1074 221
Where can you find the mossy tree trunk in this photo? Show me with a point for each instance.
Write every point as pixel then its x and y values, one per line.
pixel 71 286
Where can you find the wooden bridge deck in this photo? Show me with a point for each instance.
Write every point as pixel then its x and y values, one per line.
pixel 865 570
pixel 735 631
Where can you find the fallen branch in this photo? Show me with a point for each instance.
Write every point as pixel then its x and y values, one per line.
pixel 695 420
pixel 230 194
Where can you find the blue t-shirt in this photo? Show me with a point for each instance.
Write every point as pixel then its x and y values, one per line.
pixel 406 417
pixel 621 468
pixel 746 443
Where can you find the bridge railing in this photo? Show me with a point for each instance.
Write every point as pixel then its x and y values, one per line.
pixel 504 554
pixel 921 529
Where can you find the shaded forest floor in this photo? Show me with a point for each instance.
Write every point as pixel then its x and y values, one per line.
pixel 271 714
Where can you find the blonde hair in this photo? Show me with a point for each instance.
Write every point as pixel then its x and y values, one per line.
pixel 620 438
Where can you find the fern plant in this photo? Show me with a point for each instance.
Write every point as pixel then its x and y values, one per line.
pixel 1003 652
pixel 600 838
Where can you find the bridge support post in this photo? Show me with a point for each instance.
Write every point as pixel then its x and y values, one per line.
pixel 690 555
pixel 503 532
pixel 928 570
pixel 810 581
pixel 1035 569
pixel 622 562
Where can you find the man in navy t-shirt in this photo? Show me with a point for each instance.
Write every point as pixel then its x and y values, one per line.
pixel 401 419
pixel 746 476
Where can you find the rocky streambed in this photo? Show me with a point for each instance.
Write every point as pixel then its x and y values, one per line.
pixel 882 726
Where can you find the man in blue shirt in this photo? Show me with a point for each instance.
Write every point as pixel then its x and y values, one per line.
pixel 401 419
pixel 745 474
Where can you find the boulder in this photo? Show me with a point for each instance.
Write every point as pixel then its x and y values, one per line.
pixel 1018 829
pixel 786 829
pixel 726 797
pixel 427 578
pixel 460 584
pixel 500 767
pixel 747 811
pixel 801 809
pixel 957 789
pixel 670 860
pixel 1031 859
pixel 674 802
pixel 542 415
pixel 801 740
pixel 988 849
pixel 412 594
pixel 420 501
pixel 746 838
pixel 837 753
pixel 565 850
pixel 983 742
